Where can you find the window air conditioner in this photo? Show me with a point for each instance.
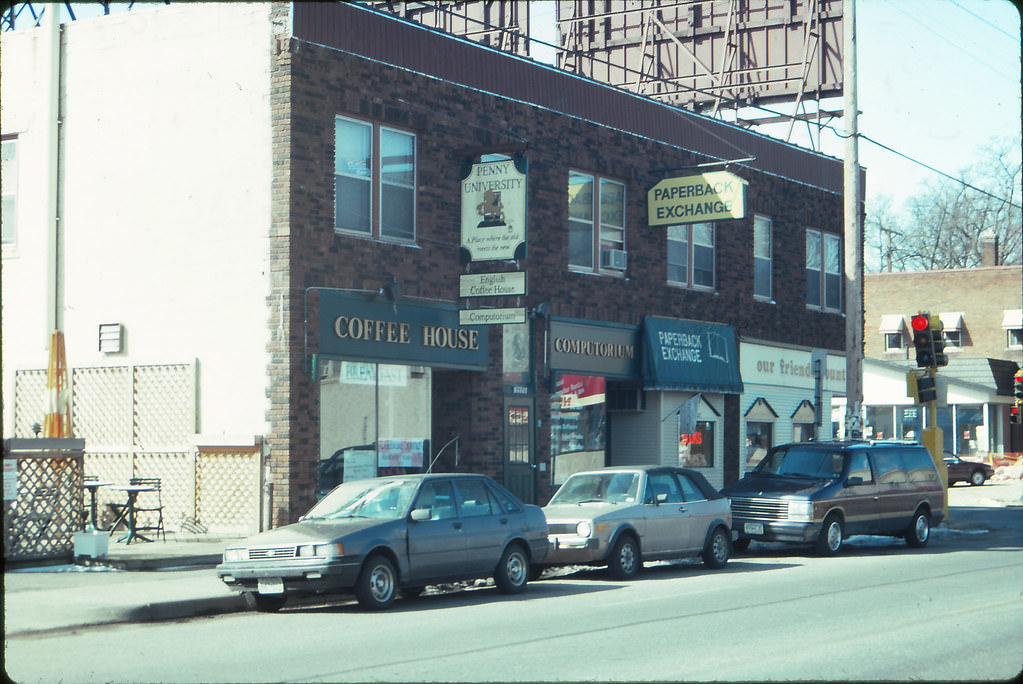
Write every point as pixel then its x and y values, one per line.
pixel 614 258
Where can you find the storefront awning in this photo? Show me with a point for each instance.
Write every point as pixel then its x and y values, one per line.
pixel 690 356
pixel 1012 318
pixel 951 320
pixel 891 323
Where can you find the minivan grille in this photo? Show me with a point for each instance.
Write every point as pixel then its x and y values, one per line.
pixel 767 509
pixel 272 553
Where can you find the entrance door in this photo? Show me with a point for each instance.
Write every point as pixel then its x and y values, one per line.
pixel 518 449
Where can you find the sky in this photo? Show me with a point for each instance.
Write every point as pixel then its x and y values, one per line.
pixel 936 81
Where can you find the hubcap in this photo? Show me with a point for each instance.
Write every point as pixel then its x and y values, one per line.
pixel 834 536
pixel 516 568
pixel 381 583
pixel 627 557
pixel 923 528
pixel 720 548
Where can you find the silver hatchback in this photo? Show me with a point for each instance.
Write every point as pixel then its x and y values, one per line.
pixel 623 516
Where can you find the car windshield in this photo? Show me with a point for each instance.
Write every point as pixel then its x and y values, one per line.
pixel 382 499
pixel 603 487
pixel 802 462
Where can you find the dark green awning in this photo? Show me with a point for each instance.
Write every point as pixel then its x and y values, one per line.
pixel 690 356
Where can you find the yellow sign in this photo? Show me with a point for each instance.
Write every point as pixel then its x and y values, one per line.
pixel 714 196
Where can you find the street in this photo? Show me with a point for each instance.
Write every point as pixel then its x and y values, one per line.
pixel 877 611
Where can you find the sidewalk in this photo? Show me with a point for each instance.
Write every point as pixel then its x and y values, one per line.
pixel 174 579
pixel 141 582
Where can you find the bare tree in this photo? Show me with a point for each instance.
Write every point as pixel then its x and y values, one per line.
pixel 947 217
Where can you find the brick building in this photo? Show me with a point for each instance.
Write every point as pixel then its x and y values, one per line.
pixel 981 310
pixel 464 262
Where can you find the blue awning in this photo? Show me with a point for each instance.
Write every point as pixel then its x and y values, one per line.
pixel 690 356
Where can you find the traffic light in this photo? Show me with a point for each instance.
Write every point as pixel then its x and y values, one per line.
pixel 1016 410
pixel 925 389
pixel 920 387
pixel 923 340
pixel 938 341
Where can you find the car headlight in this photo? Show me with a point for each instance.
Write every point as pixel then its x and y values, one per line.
pixel 801 510
pixel 320 550
pixel 235 555
pixel 584 529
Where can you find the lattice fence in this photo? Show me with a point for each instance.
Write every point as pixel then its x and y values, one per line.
pixel 47 509
pixel 139 421
pixel 226 480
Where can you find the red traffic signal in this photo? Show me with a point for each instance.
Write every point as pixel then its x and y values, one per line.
pixel 923 340
pixel 1017 386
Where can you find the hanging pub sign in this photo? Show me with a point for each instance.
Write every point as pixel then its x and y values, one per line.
pixel 494 210
pixel 713 196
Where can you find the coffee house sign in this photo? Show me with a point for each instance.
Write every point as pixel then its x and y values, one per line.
pixel 354 327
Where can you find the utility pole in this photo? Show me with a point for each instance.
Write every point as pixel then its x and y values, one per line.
pixel 853 237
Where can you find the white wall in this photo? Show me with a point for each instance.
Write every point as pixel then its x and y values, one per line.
pixel 167 172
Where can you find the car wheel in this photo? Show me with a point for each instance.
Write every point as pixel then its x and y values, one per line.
pixel 624 562
pixel 512 571
pixel 830 540
pixel 977 478
pixel 377 585
pixel 264 603
pixel 919 531
pixel 715 551
pixel 741 544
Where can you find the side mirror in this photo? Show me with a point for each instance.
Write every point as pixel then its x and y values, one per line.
pixel 420 514
pixel 661 498
pixel 853 480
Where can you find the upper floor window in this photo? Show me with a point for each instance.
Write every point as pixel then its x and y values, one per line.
pixel 762 257
pixel 9 175
pixel 691 255
pixel 1012 324
pixel 823 271
pixel 374 180
pixel 893 341
pixel 596 223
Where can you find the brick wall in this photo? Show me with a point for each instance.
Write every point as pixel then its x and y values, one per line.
pixel 981 294
pixel 313 84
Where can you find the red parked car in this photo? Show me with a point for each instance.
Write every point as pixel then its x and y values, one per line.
pixel 974 472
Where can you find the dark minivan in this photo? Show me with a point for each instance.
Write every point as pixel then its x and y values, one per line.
pixel 823 492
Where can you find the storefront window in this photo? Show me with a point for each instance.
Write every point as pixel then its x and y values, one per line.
pixel 696 450
pixel 911 422
pixel 578 421
pixel 374 420
pixel 971 435
pixel 803 432
pixel 759 438
pixel 880 423
pixel 945 422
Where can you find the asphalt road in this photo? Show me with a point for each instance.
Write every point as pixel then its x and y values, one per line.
pixel 880 610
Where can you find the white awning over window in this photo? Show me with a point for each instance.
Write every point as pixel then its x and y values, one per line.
pixel 952 320
pixel 1012 319
pixel 892 323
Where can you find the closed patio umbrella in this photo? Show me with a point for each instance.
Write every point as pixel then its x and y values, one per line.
pixel 58 389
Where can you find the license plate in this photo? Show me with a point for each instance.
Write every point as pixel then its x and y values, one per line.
pixel 271 585
pixel 753 528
